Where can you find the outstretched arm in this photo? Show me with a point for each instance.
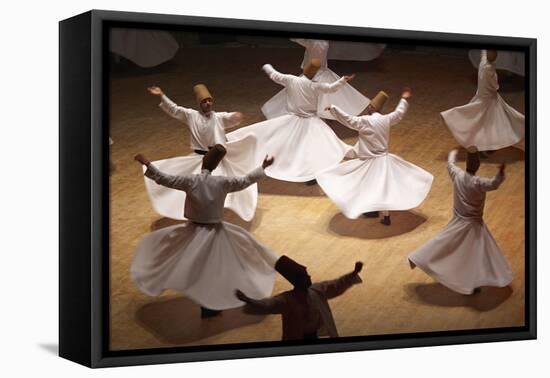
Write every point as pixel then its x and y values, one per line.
pixel 169 181
pixel 271 305
pixel 334 288
pixel 335 85
pixel 231 119
pixel 451 164
pixel 397 115
pixel 234 184
pixel 353 122
pixel 276 76
pixel 488 184
pixel 483 58
pixel 173 110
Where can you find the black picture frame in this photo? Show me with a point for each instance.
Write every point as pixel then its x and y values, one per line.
pixel 84 190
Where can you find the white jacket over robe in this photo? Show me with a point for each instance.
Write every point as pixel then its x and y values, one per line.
pixel 487 121
pixel 347 97
pixel 206 259
pixel 301 141
pixel 376 180
pixel 464 255
pixel 206 130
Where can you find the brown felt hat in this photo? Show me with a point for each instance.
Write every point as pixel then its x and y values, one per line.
pixel 379 100
pixel 492 55
pixel 311 68
pixel 201 93
pixel 213 157
pixel 291 270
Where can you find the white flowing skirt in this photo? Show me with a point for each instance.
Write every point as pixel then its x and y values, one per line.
pixel 205 262
pixel 302 147
pixel 348 99
pixel 464 256
pixel 237 162
pixel 488 123
pixel 360 51
pixel 146 48
pixel 382 183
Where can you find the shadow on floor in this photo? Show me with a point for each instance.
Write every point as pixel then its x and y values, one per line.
pixel 231 217
pixel 436 294
pixel 506 155
pixel 178 321
pixel 283 188
pixel 371 228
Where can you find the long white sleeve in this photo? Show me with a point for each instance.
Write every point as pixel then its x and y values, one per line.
pixel 488 184
pixel 173 110
pixel 234 184
pixel 276 76
pixel 451 164
pixel 169 181
pixel 353 122
pixel 331 87
pixel 397 115
pixel 230 119
pixel 483 58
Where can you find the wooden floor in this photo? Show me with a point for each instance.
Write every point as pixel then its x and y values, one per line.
pixel 300 221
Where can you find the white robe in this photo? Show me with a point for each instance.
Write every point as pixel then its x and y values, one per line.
pixel 464 255
pixel 487 121
pixel 206 258
pixel 348 98
pixel 206 131
pixel 360 51
pixel 513 61
pixel 146 48
pixel 301 142
pixel 377 180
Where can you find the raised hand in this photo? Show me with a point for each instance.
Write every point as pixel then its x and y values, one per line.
pixel 407 93
pixel 155 91
pixel 358 267
pixel 141 159
pixel 241 296
pixel 349 77
pixel 267 161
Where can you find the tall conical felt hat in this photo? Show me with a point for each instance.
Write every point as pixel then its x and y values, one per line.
pixel 214 156
pixel 311 68
pixel 291 270
pixel 472 157
pixel 201 92
pixel 492 55
pixel 379 100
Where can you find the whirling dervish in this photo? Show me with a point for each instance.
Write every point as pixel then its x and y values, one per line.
pixel 205 258
pixel 347 98
pixel 487 121
pixel 464 256
pixel 303 143
pixel 207 128
pixel 377 180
